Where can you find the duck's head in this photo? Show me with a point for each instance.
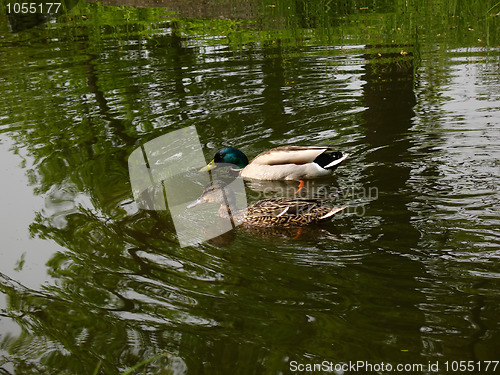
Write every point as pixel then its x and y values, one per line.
pixel 215 192
pixel 227 155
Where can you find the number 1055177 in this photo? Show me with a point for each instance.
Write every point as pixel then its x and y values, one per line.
pixel 24 8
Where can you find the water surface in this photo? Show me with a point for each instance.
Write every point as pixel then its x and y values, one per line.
pixel 408 274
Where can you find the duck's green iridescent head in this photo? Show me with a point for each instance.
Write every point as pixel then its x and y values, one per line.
pixel 228 155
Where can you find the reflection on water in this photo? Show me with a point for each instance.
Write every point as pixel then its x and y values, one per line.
pixel 408 274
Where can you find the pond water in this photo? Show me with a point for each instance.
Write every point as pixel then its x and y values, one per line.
pixel 407 275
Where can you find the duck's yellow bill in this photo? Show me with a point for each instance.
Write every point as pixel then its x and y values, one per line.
pixel 208 167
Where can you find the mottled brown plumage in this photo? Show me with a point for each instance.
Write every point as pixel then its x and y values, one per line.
pixel 271 212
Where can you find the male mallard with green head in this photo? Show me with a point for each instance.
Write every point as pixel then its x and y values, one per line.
pixel 271 212
pixel 282 163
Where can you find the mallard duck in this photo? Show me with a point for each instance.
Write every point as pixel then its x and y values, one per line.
pixel 282 163
pixel 271 212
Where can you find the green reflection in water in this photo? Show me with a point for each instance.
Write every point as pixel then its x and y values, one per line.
pixel 410 280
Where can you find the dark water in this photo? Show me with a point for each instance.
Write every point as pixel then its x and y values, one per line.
pixel 408 275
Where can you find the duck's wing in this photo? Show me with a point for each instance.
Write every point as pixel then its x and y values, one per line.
pixel 289 212
pixel 279 207
pixel 289 155
pixel 276 207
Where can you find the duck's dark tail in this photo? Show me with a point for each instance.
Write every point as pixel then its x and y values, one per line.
pixel 330 160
